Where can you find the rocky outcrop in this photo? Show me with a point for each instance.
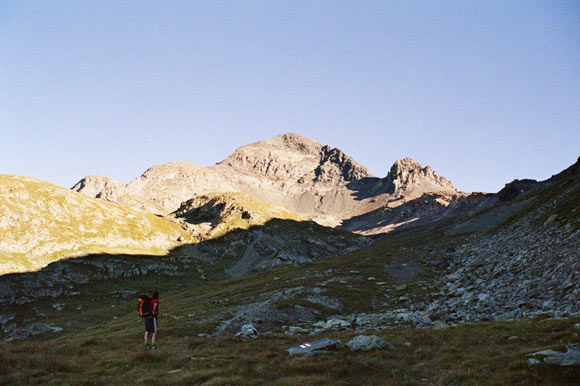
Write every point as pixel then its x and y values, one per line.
pixel 408 176
pixel 335 166
pixel 105 188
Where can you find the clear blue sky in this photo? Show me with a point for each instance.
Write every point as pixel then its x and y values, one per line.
pixel 483 91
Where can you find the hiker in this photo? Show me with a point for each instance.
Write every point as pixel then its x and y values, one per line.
pixel 149 310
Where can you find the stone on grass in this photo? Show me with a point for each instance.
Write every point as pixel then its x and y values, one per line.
pixel 368 342
pixel 248 331
pixel 296 330
pixel 335 324
pixel 323 346
pixel 569 358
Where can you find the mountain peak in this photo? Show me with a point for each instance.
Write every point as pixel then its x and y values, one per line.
pixel 291 141
pixel 294 158
pixel 404 165
pixel 292 138
pixel 98 186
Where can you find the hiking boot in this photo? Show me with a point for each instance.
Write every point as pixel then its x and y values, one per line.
pixel 147 345
pixel 153 346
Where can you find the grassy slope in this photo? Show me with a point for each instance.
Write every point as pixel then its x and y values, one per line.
pixel 110 351
pixel 41 223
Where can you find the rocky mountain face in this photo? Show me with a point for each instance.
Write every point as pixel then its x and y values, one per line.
pixel 160 189
pixel 291 158
pixel 41 223
pixel 289 171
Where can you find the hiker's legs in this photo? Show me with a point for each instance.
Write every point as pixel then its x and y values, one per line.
pixel 146 336
pixel 154 335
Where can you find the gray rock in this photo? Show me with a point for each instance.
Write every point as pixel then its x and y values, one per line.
pixel 438 324
pixel 550 357
pixel 534 362
pixel 32 330
pixel 482 297
pixel 333 324
pixel 368 342
pixel 248 331
pixel 293 330
pixel 338 324
pixel 570 358
pixel 322 346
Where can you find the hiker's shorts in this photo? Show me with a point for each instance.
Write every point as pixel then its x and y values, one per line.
pixel 151 324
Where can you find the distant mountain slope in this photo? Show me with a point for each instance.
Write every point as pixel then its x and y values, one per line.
pixel 291 171
pixel 160 189
pixel 527 259
pixel 41 223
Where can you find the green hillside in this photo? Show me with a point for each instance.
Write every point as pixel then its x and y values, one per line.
pixel 41 223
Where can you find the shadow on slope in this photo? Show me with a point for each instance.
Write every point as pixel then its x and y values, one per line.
pixel 520 197
pixel 28 297
pixel 429 208
pixel 368 187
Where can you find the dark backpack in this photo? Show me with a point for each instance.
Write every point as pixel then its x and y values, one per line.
pixel 144 306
